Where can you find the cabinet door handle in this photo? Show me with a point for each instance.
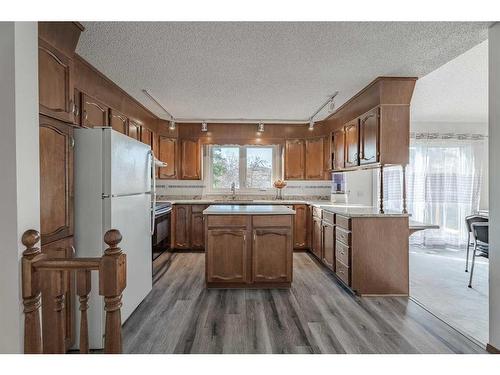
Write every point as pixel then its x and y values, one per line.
pixel 85 116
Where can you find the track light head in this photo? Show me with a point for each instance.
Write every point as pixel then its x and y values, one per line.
pixel 204 126
pixel 172 125
pixel 260 128
pixel 311 124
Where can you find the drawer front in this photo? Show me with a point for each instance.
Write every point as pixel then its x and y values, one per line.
pixel 342 253
pixel 329 217
pixel 272 221
pixel 343 222
pixel 227 221
pixel 343 272
pixel 317 212
pixel 343 235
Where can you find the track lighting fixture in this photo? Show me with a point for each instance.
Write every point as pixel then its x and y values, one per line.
pixel 260 128
pixel 172 125
pixel 331 106
pixel 204 126
pixel 311 124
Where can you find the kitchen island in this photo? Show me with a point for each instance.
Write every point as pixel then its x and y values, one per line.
pixel 248 246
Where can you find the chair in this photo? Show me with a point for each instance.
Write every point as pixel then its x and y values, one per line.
pixel 469 220
pixel 481 247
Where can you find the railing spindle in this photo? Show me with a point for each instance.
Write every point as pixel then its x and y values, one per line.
pixel 83 285
pixel 58 290
pixel 112 282
pixel 31 293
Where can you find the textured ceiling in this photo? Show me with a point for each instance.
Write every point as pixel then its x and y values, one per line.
pixel 456 91
pixel 265 70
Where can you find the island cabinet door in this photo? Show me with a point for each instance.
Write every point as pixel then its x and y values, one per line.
pixel 197 227
pixel 272 255
pixel 181 226
pixel 227 254
pixel 316 241
pixel 300 226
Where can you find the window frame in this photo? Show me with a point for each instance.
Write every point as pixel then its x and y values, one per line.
pixel 275 169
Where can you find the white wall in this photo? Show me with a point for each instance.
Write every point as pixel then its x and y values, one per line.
pixel 494 182
pixel 19 165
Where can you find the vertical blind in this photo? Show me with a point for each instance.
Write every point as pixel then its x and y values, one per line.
pixel 444 180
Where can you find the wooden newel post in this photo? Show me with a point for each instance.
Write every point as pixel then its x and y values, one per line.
pixel 112 282
pixel 31 293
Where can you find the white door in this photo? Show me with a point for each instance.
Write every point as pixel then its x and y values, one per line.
pixel 126 165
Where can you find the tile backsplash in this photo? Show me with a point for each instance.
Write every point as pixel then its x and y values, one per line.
pixel 193 188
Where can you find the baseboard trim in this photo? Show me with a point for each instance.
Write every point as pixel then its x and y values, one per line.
pixel 491 349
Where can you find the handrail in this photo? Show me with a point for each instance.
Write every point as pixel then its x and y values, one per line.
pixel 112 281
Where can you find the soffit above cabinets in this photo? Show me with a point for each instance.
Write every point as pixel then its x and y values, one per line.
pixel 265 70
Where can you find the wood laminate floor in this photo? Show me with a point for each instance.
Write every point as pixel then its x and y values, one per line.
pixel 315 316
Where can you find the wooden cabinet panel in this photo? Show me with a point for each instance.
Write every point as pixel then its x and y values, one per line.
pixel 272 255
pixel 295 157
pixel 118 121
pixel 94 112
pixel 62 248
pixel 228 255
pixel 338 149
pixel 181 215
pixel 314 158
pixel 368 137
pixel 56 179
pixel 146 136
pixel 328 240
pixel 316 241
pixel 167 152
pixel 343 272
pixel 197 227
pixel 55 83
pixel 300 227
pixel 134 130
pixel 190 159
pixel 351 144
pixel 327 157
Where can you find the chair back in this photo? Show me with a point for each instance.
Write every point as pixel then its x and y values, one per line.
pixel 480 231
pixel 469 220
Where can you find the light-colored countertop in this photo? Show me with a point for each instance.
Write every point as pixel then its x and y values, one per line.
pixel 338 208
pixel 236 209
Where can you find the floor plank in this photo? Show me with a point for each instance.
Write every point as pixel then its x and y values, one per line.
pixel 316 315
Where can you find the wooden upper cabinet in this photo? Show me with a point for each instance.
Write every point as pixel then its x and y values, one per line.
pixel 167 152
pixel 295 159
pixel 227 260
pixel 190 159
pixel 272 255
pixel 134 130
pixel 338 149
pixel 146 136
pixel 118 121
pixel 55 83
pixel 300 226
pixel 94 112
pixel 327 157
pixel 56 179
pixel 314 158
pixel 368 137
pixel 351 144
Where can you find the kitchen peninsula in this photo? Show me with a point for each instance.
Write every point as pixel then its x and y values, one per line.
pixel 248 246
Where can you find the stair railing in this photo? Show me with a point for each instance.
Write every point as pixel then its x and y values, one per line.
pixel 112 281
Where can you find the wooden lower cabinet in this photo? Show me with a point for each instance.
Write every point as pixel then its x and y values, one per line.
pixel 271 258
pixel 328 239
pixel 316 238
pixel 181 215
pixel 228 259
pixel 197 227
pixel 62 248
pixel 301 226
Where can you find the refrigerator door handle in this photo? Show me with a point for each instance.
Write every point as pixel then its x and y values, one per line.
pixel 153 191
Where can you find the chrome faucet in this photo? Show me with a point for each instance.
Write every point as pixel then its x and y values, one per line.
pixel 233 191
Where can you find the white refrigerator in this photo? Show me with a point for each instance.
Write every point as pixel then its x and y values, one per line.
pixel 113 175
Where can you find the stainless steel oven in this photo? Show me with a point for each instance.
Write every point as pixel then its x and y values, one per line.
pixel 161 235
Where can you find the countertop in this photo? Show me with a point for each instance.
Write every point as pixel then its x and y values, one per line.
pixel 236 209
pixel 341 209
